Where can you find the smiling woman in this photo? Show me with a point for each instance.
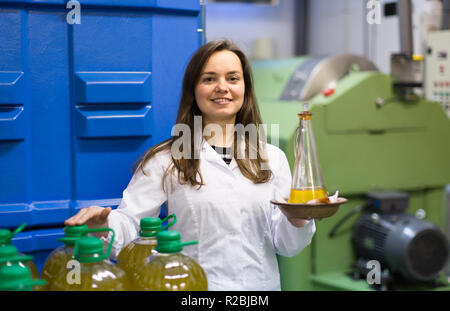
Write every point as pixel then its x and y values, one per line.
pixel 221 200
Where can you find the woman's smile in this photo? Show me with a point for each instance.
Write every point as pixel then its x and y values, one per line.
pixel 222 100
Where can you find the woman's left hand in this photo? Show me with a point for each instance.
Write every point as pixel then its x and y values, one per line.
pixel 298 222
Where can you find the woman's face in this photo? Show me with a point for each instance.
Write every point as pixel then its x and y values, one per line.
pixel 220 90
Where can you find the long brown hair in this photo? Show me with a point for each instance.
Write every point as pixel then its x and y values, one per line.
pixel 189 168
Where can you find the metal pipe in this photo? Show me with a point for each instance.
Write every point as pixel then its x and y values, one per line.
pixel 445 14
pixel 404 9
pixel 301 26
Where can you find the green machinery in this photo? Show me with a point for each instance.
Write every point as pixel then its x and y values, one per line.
pixel 369 138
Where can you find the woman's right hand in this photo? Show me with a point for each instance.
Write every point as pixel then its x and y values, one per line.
pixel 93 216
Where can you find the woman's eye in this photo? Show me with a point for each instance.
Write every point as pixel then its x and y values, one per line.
pixel 208 79
pixel 234 79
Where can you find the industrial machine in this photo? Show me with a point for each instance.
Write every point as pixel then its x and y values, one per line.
pixel 385 148
pixel 369 138
pixel 410 249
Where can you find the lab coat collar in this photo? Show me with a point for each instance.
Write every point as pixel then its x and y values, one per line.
pixel 211 155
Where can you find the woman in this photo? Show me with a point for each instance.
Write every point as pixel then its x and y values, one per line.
pixel 220 200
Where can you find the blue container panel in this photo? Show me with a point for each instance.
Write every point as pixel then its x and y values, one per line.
pixel 49 107
pixel 150 121
pixel 113 87
pixel 12 116
pixel 187 5
pixel 80 103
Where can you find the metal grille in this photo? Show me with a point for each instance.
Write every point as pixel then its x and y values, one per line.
pixel 367 229
pixel 427 254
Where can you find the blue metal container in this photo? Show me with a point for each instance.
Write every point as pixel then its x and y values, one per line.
pixel 79 103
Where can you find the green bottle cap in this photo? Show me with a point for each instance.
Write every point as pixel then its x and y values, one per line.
pixel 72 234
pixel 9 253
pixel 150 226
pixel 90 249
pixel 6 235
pixel 17 278
pixel 170 242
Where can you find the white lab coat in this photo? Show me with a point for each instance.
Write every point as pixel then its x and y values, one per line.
pixel 239 231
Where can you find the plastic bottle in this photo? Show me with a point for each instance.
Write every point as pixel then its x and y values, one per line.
pixel 9 256
pixel 14 274
pixel 17 278
pixel 90 270
pixel 5 239
pixel 169 269
pixel 133 256
pixel 57 260
pixel 307 180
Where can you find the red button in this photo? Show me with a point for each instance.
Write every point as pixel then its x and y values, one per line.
pixel 328 92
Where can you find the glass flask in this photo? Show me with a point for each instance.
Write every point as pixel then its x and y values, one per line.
pixel 5 239
pixel 169 269
pixel 307 180
pixel 133 256
pixel 91 269
pixel 57 260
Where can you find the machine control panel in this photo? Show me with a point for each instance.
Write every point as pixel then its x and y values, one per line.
pixel 437 64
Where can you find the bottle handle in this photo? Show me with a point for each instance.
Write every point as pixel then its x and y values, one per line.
pixel 164 247
pixel 18 229
pixel 171 216
pixel 188 243
pixel 104 255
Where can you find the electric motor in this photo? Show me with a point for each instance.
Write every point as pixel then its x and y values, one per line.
pixel 416 249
